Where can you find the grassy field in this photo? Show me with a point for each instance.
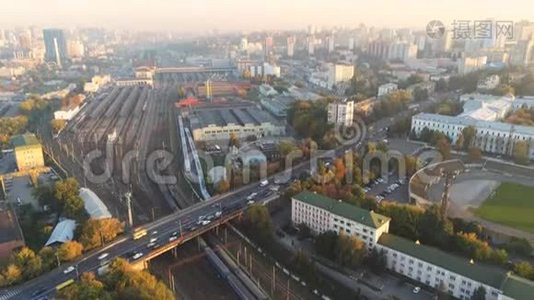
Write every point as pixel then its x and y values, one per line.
pixel 511 205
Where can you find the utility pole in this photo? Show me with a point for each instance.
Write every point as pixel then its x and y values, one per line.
pixel 128 196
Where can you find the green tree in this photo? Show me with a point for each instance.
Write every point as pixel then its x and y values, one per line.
pixel 69 251
pixel 479 293
pixel 524 269
pixel 257 221
pixel 74 208
pixel 350 251
pixel 48 258
pixel 434 228
pixel 325 244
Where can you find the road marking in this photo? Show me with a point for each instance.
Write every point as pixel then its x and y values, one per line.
pixel 8 294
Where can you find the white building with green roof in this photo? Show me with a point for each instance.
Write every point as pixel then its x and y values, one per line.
pixel 460 276
pixel 427 265
pixel 322 214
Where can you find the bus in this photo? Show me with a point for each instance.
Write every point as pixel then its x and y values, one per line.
pixel 64 284
pixel 138 233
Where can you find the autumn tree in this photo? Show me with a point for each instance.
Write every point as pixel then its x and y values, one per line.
pixel 474 154
pixel 96 231
pixel 468 134
pixel 69 251
pixel 520 153
pixel 89 287
pixel 28 262
pixel 12 274
pixel 57 125
pixel 223 186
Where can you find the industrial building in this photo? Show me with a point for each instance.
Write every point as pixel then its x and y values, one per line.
pixel 218 123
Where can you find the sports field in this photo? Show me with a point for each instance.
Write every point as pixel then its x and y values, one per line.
pixel 512 205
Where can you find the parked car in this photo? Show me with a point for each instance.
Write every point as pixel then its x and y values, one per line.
pixel 68 270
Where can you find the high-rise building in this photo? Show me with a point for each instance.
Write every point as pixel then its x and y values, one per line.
pixel 331 43
pixel 76 49
pixel 311 45
pixel 351 44
pixel 243 46
pixel 268 46
pixel 339 73
pixel 522 54
pixel 470 64
pixel 341 113
pixel 55 45
pixel 291 46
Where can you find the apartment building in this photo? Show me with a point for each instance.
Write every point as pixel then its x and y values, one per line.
pixel 341 113
pixel 322 214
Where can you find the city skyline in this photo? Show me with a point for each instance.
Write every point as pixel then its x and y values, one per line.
pixel 207 15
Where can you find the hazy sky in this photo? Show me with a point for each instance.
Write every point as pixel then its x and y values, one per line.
pixel 201 15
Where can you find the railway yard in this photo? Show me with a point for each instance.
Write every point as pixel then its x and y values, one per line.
pixel 127 125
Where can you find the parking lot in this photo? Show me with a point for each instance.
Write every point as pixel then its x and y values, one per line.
pixel 393 189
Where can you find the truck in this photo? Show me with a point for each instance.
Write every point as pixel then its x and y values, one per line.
pixel 139 233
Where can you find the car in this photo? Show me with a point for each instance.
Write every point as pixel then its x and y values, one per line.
pixel 218 214
pixel 252 196
pixel 416 290
pixel 250 202
pixel 264 183
pixel 103 255
pixel 173 238
pixel 193 228
pixel 151 245
pixel 137 255
pixel 154 232
pixel 68 270
pixel 205 222
pixel 174 233
pixel 153 240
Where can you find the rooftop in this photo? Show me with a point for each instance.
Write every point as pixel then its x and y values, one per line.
pixel 360 215
pixel 93 205
pixel 489 275
pixel 518 288
pixel 26 139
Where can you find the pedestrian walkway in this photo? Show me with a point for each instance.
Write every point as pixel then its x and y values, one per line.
pixel 9 293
